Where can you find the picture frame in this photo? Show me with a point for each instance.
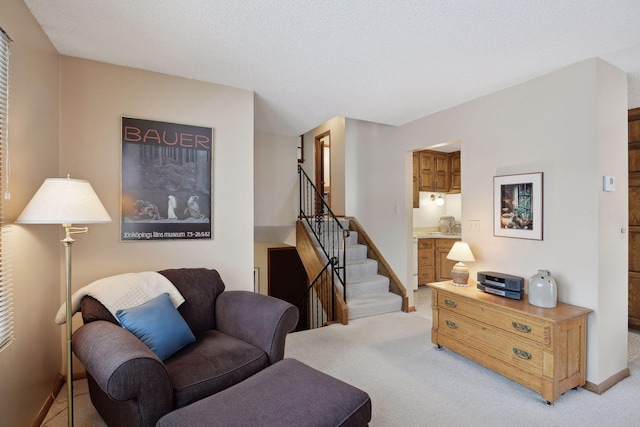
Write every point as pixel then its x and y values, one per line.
pixel 166 188
pixel 517 206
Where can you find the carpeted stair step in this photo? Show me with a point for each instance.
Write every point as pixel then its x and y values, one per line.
pixel 354 252
pixel 373 306
pixel 358 269
pixel 367 286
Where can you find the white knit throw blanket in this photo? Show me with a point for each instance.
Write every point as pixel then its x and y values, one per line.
pixel 123 291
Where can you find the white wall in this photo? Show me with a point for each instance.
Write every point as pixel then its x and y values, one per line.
pixel 428 214
pixel 612 149
pixel 570 125
pixel 377 188
pixel 276 180
pixel 29 365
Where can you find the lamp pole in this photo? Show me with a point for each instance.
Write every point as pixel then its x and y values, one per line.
pixel 67 242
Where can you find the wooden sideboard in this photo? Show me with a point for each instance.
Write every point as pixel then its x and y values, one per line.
pixel 543 349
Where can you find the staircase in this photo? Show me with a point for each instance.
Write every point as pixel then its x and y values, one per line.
pixel 349 278
pixel 368 292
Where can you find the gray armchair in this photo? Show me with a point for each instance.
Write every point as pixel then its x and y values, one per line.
pixel 237 333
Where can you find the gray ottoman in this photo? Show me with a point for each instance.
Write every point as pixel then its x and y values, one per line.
pixel 288 393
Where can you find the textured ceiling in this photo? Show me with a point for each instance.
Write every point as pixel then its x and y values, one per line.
pixel 385 61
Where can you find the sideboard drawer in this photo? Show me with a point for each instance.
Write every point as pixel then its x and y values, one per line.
pixel 525 326
pixel 523 354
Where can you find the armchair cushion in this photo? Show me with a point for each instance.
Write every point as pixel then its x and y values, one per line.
pixel 157 324
pixel 211 364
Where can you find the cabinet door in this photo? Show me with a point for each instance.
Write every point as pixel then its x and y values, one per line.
pixel 443 265
pixel 634 248
pixel 454 165
pixel 427 171
pixel 426 270
pixel 441 174
pixel 416 186
pixel 634 300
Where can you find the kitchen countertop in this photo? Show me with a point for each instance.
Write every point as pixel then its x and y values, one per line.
pixel 432 233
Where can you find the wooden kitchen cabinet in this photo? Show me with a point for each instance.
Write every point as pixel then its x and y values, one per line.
pixel 455 178
pixel 416 185
pixel 442 264
pixel 433 264
pixel 426 269
pixel 543 349
pixel 433 171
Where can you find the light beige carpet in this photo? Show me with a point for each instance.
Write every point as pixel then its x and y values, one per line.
pixel 85 415
pixel 412 383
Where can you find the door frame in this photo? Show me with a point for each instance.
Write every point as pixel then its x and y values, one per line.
pixel 319 163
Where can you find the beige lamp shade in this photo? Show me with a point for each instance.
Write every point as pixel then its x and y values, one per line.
pixel 461 252
pixel 64 201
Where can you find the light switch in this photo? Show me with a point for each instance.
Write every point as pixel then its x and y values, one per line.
pixel 609 183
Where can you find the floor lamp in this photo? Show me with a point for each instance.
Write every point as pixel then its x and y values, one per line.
pixel 66 201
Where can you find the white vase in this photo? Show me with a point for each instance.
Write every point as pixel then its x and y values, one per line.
pixel 543 290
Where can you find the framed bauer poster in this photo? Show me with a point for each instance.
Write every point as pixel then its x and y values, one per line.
pixel 166 181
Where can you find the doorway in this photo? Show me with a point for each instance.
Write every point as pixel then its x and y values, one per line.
pixel 322 149
pixel 436 180
pixel 287 278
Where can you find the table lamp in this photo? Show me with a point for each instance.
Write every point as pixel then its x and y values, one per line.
pixel 460 273
pixel 66 201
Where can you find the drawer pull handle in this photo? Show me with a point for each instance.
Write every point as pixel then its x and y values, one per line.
pixel 450 303
pixel 451 324
pixel 520 327
pixel 521 353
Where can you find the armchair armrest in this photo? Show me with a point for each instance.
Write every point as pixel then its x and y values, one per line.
pixel 258 319
pixel 125 369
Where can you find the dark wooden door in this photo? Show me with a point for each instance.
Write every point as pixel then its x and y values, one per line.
pixel 634 218
pixel 287 276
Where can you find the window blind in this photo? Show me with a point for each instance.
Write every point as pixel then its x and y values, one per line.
pixel 6 291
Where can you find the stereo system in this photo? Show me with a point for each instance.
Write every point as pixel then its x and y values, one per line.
pixel 504 285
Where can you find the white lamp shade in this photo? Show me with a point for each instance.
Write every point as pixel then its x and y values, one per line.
pixel 64 201
pixel 461 252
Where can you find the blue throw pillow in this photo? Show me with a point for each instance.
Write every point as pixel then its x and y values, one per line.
pixel 158 324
